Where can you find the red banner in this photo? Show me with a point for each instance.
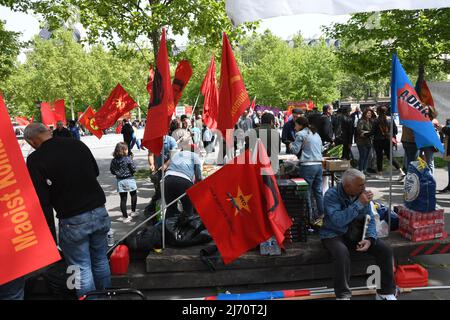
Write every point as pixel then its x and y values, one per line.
pixel 211 94
pixel 88 121
pixel 53 112
pixel 26 243
pixel 22 121
pixel 183 74
pixel 161 101
pixel 233 97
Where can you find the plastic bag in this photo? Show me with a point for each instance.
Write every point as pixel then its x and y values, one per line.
pixel 185 231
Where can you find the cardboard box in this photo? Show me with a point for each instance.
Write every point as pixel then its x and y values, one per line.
pixel 337 165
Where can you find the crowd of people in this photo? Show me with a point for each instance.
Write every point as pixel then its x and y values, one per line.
pixel 80 203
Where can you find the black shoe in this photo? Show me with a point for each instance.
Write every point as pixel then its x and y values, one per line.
pixel 369 170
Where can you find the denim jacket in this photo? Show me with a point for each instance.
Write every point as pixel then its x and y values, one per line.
pixel 340 211
pixel 310 144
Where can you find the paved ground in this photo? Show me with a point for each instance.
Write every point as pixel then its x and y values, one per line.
pixel 438 265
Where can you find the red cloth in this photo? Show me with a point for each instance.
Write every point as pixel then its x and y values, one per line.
pixel 22 121
pixel 118 103
pixel 233 97
pixel 211 94
pixel 87 119
pixel 183 74
pixel 26 243
pixel 52 113
pixel 241 207
pixel 160 103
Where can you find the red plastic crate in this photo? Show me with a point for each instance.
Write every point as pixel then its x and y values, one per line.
pixel 411 276
pixel 119 260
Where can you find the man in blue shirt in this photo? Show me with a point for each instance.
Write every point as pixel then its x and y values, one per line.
pixel 288 133
pixel 343 204
pixel 156 167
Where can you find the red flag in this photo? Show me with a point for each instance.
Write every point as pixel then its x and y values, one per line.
pixel 181 79
pixel 211 94
pixel 59 110
pixel 240 207
pixel 47 114
pixel 26 243
pixel 279 219
pixel 22 121
pixel 53 112
pixel 253 105
pixel 233 97
pixel 160 103
pixel 425 94
pixel 118 103
pixel 119 128
pixel 87 119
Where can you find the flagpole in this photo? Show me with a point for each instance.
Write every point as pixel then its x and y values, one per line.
pixel 390 169
pixel 195 106
pixel 163 200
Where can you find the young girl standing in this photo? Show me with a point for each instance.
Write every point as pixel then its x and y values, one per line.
pixel 123 167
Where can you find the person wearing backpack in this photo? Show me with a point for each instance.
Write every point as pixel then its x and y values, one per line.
pixel 381 139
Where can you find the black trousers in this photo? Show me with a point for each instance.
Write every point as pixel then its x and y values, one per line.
pixel 157 186
pixel 340 251
pixel 173 188
pixel 382 146
pixel 123 202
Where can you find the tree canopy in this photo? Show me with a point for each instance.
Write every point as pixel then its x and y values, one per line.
pixel 420 38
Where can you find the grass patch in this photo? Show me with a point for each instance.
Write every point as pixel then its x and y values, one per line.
pixel 142 174
pixel 438 162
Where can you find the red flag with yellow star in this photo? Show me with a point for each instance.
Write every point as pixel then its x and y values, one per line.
pixel 118 103
pixel 87 119
pixel 239 205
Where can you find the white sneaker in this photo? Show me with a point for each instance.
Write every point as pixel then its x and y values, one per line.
pixel 121 219
pixel 386 297
pixel 127 220
pixel 134 214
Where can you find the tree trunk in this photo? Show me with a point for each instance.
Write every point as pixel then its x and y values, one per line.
pixel 154 36
pixel 71 107
pixel 421 73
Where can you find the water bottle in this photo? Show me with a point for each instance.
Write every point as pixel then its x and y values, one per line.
pixel 110 238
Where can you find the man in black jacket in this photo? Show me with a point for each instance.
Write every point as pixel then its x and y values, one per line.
pixel 326 127
pixel 64 174
pixel 61 131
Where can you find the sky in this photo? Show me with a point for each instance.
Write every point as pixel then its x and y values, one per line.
pixel 284 27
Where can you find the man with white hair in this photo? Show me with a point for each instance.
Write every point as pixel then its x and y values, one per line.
pixel 64 173
pixel 346 205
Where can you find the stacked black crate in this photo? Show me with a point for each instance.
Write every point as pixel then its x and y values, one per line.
pixel 294 195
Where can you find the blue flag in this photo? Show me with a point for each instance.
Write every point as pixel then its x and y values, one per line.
pixel 412 113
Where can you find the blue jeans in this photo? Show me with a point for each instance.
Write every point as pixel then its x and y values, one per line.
pixel 411 154
pixel 313 176
pixel 13 290
pixel 83 240
pixel 364 152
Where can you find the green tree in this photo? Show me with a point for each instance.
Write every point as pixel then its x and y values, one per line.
pixel 420 38
pixel 130 20
pixel 9 50
pixel 61 68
